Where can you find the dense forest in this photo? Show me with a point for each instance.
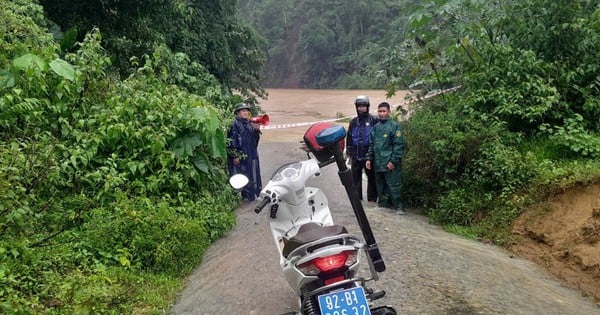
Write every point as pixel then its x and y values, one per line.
pixel 113 117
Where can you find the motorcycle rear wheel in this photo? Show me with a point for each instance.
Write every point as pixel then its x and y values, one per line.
pixel 383 310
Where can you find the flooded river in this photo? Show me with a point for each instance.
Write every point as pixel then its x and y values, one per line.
pixel 297 106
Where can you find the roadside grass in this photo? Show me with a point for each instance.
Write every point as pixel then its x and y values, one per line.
pixel 157 294
pixel 470 232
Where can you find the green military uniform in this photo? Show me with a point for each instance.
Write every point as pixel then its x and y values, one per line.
pixel 387 145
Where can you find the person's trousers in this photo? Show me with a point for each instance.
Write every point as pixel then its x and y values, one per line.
pixel 388 189
pixel 357 170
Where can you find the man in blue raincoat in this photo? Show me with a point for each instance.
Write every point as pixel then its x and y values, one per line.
pixel 242 151
pixel 357 145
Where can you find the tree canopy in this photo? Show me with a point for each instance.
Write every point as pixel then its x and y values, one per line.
pixel 207 31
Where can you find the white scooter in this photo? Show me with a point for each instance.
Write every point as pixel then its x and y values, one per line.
pixel 320 259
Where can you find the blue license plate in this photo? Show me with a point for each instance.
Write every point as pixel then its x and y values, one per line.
pixel 346 302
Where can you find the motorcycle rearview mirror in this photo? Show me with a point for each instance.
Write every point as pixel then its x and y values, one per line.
pixel 238 181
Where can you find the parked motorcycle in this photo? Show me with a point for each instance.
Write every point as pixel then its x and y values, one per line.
pixel 320 260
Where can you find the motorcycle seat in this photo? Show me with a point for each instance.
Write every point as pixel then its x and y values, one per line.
pixel 311 232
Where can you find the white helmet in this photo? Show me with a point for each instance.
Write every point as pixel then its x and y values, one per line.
pixel 362 100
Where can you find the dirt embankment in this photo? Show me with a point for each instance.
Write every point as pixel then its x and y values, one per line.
pixel 563 236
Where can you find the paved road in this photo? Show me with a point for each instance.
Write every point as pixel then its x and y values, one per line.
pixel 428 271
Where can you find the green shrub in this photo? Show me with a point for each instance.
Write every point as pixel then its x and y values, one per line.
pixel 151 235
pixel 459 206
pixel 500 168
pixel 21 32
pixel 461 165
pixel 441 143
pixel 575 137
pixel 105 182
pixel 467 160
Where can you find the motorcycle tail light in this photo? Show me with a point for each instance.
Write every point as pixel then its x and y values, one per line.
pixel 329 263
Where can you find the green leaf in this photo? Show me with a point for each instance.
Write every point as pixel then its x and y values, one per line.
pixel 218 145
pixel 7 79
pixel 132 165
pixel 124 261
pixel 209 116
pixel 30 61
pixel 63 69
pixel 14 252
pixel 184 145
pixel 69 39
pixel 213 122
pixel 201 163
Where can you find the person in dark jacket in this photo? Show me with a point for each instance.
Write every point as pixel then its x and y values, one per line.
pixel 242 151
pixel 357 145
pixel 385 158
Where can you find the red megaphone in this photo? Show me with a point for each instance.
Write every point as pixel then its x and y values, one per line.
pixel 261 120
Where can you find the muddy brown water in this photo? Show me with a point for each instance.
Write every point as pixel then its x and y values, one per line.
pixel 298 106
pixel 429 271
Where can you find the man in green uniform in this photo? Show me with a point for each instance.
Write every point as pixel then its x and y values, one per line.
pixel 386 149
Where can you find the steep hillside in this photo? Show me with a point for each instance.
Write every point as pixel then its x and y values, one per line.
pixel 326 44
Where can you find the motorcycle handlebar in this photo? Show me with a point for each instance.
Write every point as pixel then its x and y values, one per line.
pixel 262 204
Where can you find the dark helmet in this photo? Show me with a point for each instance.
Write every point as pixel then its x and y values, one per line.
pixel 241 106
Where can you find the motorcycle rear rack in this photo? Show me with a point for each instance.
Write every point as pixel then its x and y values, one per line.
pixel 346 240
pixel 309 248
